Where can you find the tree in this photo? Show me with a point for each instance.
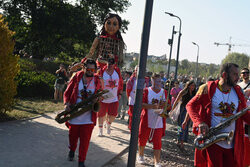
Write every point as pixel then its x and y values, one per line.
pixel 238 58
pixel 50 27
pixel 8 66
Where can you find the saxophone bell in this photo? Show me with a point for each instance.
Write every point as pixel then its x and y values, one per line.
pixel 201 142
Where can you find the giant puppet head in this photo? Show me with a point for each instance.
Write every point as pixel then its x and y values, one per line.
pixel 111 26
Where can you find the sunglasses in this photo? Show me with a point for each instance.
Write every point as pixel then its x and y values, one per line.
pixel 245 73
pixel 90 69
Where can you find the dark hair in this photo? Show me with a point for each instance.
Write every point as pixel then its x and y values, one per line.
pixel 226 68
pixel 243 69
pixel 156 75
pixel 90 61
pixel 188 84
pixel 108 16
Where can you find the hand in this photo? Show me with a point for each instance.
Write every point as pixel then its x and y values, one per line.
pixel 154 106
pixel 184 124
pixel 203 128
pixel 157 111
pixel 67 107
pixel 119 96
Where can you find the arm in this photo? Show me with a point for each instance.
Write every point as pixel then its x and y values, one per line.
pixel 69 90
pixel 93 48
pixel 129 87
pixel 182 92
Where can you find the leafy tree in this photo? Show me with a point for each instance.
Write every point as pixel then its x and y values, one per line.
pixel 8 66
pixel 45 28
pixel 238 58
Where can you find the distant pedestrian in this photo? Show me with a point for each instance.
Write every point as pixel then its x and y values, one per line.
pixel 61 79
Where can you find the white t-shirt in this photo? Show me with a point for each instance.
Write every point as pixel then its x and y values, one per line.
pixel 85 118
pixel 111 83
pixel 243 85
pixel 220 102
pixel 154 120
pixel 131 98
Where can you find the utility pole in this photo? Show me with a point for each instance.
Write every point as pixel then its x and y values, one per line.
pixel 140 84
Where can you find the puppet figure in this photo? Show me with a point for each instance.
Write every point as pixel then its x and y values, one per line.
pixel 108 43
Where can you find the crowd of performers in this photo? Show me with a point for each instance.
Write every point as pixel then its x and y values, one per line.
pixel 213 103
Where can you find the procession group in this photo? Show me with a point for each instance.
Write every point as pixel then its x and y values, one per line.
pixel 204 105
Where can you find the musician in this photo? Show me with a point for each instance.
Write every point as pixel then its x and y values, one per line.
pixel 152 126
pixel 130 91
pixel 109 42
pixel 214 103
pixel 109 105
pixel 83 84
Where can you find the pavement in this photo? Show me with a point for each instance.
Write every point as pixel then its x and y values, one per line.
pixel 42 142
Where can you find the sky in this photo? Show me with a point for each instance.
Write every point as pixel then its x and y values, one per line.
pixel 203 22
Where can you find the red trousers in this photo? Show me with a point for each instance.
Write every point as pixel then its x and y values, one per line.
pixel 145 134
pixel 130 113
pixel 246 151
pixel 218 157
pixel 84 133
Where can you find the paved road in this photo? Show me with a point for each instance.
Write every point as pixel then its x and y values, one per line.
pixel 42 142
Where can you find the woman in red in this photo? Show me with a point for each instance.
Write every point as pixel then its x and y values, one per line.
pixel 83 84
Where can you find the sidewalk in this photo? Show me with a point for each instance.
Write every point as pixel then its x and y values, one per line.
pixel 42 142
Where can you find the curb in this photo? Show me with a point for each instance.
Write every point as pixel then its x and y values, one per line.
pixel 117 155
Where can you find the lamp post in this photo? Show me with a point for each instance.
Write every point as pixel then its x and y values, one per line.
pixel 196 68
pixel 178 47
pixel 170 42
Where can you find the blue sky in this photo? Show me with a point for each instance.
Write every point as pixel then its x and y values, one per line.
pixel 203 22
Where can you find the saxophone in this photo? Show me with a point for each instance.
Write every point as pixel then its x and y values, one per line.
pixel 201 142
pixel 80 108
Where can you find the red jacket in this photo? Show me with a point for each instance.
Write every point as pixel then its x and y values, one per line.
pixel 199 110
pixel 120 84
pixel 70 94
pixel 144 113
pixel 130 84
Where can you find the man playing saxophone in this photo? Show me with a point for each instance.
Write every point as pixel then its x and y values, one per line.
pixel 83 84
pixel 214 103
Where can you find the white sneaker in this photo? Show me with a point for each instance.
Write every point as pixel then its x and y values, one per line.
pixel 100 134
pixel 141 160
pixel 108 129
pixel 157 165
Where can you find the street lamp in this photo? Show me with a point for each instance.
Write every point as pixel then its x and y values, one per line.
pixel 178 47
pixel 196 68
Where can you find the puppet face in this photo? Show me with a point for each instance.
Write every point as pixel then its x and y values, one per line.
pixel 111 26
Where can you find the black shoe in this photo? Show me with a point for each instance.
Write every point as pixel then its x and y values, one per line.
pixel 118 116
pixel 71 155
pixel 81 164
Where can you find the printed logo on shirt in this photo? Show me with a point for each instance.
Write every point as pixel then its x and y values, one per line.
pixel 226 109
pixel 111 84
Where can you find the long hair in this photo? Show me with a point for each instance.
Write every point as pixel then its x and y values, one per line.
pixel 186 88
pixel 111 15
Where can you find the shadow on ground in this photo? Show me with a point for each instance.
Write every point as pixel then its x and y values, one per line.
pixel 30 143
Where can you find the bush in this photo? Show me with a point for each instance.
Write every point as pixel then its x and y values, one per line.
pixel 36 84
pixel 8 66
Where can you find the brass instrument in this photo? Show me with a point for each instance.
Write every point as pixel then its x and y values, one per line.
pixel 201 142
pixel 80 108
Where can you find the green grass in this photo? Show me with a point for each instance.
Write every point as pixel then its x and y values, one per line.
pixel 26 108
